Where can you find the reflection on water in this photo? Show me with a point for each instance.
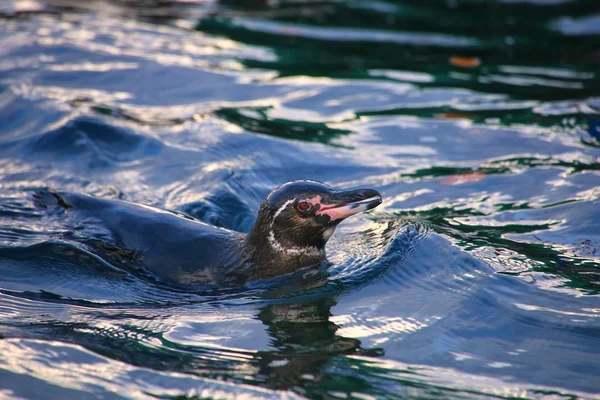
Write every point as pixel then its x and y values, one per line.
pixel 478 122
pixel 305 340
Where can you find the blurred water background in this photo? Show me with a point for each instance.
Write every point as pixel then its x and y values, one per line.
pixel 479 121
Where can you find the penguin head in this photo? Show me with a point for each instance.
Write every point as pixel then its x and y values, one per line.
pixel 299 217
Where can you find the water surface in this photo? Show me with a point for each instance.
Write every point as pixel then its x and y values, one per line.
pixel 479 276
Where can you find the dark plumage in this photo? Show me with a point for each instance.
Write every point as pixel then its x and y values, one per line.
pixel 293 225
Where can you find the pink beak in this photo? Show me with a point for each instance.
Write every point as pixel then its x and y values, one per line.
pixel 349 203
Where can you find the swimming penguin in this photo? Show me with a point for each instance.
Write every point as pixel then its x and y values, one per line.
pixel 293 225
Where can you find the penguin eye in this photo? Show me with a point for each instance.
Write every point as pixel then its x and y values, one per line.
pixel 303 205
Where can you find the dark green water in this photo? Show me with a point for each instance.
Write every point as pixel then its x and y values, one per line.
pixel 478 121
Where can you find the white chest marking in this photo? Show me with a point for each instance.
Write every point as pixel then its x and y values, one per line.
pixel 311 251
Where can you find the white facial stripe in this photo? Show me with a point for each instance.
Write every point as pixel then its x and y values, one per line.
pixel 311 251
pixel 280 209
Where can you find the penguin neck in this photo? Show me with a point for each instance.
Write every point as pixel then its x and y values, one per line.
pixel 272 258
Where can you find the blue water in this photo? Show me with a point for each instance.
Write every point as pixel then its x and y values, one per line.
pixel 479 122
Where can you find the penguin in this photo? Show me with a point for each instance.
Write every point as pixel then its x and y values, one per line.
pixel 294 223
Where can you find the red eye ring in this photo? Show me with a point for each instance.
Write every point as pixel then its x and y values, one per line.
pixel 303 205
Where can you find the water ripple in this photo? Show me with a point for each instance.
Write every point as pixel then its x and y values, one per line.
pixel 478 122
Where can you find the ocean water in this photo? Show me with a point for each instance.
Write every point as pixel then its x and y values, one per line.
pixel 478 121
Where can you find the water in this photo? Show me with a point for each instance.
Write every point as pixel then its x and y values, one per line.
pixel 478 277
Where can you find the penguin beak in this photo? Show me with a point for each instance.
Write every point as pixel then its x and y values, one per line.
pixel 341 205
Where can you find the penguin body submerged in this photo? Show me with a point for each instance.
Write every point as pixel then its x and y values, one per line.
pixel 293 225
